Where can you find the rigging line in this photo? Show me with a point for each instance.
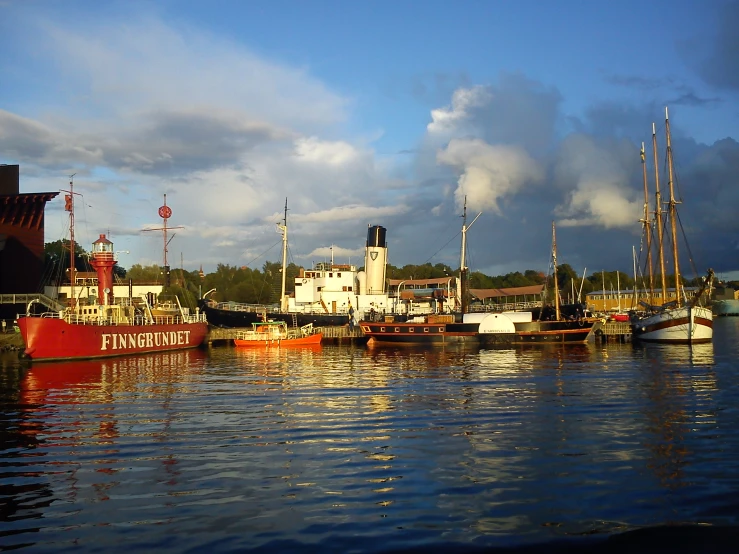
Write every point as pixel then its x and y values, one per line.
pixel 687 246
pixel 262 254
pixel 442 248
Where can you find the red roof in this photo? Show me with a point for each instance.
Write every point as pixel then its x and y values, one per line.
pixel 408 282
pixel 507 292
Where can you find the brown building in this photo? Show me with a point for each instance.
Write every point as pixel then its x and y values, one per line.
pixel 21 234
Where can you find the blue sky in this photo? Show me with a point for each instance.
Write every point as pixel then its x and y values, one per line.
pixel 384 113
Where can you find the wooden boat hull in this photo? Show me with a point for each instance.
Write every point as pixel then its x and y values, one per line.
pixel 684 325
pixel 506 332
pixel 544 332
pixel 55 339
pixel 405 333
pixel 310 340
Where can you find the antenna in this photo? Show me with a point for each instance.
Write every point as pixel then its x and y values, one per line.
pixel 165 212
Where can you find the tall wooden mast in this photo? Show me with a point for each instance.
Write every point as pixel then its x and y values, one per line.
pixel 647 226
pixel 672 213
pixel 554 261
pixel 658 217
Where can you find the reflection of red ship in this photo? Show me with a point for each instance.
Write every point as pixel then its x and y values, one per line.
pixel 81 380
pixel 112 327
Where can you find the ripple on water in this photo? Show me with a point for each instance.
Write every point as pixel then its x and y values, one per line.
pixel 343 448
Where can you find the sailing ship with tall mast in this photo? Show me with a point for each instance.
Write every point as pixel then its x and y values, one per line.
pixel 551 325
pixel 110 327
pixel 682 320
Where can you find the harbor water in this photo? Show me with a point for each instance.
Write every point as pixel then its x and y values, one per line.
pixel 355 449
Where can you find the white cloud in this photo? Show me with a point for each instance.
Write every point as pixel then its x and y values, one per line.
pixel 595 179
pixel 488 172
pixel 333 153
pixel 463 100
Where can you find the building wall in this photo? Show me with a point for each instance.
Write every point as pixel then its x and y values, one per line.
pixel 598 302
pixel 22 258
pixel 22 227
pixel 88 293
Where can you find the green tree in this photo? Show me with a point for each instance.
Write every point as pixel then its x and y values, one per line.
pixel 57 261
pixel 150 273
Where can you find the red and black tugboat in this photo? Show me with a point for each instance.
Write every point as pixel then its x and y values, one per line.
pixel 112 327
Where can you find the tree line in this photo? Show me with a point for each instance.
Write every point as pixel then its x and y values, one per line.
pixel 263 286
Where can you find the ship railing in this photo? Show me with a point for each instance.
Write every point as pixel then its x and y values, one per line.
pixel 239 307
pixel 505 306
pixel 266 336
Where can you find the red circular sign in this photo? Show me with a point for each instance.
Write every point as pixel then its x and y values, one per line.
pixel 165 212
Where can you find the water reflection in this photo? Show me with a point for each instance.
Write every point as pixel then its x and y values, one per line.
pixel 679 384
pixel 79 407
pixel 344 448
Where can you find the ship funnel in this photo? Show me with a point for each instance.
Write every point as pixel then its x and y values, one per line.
pixel 375 261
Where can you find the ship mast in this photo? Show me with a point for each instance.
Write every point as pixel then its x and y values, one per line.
pixel 647 228
pixel 165 212
pixel 658 217
pixel 69 206
pixel 554 261
pixel 463 269
pixel 672 211
pixel 283 229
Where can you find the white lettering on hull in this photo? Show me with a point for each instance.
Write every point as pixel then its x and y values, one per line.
pixel 120 341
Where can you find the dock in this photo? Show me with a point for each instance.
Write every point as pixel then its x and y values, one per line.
pixel 614 331
pixel 610 331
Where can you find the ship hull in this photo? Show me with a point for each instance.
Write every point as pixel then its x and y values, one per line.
pixel 55 339
pixel 311 340
pixel 684 325
pixel 545 332
pixel 240 318
pixel 414 334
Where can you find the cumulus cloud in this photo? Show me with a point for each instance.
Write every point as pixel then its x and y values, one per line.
pixel 336 253
pixel 333 153
pixel 464 100
pixel 488 172
pixel 596 182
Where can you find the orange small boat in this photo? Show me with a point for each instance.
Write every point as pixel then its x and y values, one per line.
pixel 276 333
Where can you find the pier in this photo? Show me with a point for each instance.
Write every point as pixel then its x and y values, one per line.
pixel 612 331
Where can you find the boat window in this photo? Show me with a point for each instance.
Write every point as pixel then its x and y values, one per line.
pixel 397 329
pixel 349 289
pixel 412 330
pixel 382 329
pixel 441 329
pixel 330 274
pixel 338 274
pixel 344 289
pixel 425 329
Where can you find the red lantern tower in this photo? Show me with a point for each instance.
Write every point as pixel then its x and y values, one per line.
pixel 103 260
